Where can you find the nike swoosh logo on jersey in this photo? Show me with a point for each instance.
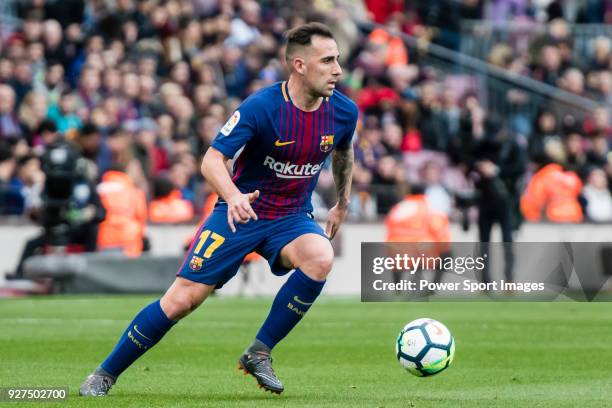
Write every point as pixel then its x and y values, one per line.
pixel 297 299
pixel 278 143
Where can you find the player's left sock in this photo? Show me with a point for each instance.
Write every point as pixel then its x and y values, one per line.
pixel 147 328
pixel 291 303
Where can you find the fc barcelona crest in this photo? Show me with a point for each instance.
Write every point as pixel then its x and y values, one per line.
pixel 196 263
pixel 327 142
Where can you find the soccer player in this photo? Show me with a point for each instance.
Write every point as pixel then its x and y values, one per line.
pixel 286 131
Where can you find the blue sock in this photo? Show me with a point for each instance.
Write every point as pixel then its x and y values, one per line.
pixel 291 304
pixel 147 328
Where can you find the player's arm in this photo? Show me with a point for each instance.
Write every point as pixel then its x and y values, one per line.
pixel 342 169
pixel 215 171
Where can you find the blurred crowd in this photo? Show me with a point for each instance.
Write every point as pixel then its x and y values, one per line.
pixel 141 87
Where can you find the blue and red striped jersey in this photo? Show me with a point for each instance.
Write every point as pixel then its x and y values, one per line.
pixel 284 147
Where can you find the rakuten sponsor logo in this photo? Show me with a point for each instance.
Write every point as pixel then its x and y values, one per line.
pixel 289 170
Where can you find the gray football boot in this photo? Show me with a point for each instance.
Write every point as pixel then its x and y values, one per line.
pixel 259 365
pixel 97 384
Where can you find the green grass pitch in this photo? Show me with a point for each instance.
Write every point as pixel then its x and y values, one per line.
pixel 341 355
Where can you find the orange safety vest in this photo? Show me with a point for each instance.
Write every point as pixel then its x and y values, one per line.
pixel 411 220
pixel 171 209
pixel 126 213
pixel 555 191
pixel 396 51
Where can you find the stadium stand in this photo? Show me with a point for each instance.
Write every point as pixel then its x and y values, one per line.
pixel 153 81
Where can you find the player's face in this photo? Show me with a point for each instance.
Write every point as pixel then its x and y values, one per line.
pixel 322 69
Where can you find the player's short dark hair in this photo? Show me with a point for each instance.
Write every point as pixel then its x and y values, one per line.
pixel 301 36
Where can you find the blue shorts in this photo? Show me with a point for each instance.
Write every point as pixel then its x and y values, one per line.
pixel 216 252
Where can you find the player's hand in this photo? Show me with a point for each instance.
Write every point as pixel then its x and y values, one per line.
pixel 336 217
pixel 239 209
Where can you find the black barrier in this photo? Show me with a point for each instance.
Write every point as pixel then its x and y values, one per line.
pixel 524 271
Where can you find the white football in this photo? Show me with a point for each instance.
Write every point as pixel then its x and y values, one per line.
pixel 425 347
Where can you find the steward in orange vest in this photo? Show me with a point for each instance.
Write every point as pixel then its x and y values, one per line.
pixel 555 192
pixel 168 205
pixel 126 213
pixel 411 220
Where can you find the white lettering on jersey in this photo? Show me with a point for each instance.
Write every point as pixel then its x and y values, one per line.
pixel 230 124
pixel 289 170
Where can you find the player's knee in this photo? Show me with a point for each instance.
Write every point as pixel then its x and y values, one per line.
pixel 319 266
pixel 183 297
pixel 178 305
pixel 176 308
